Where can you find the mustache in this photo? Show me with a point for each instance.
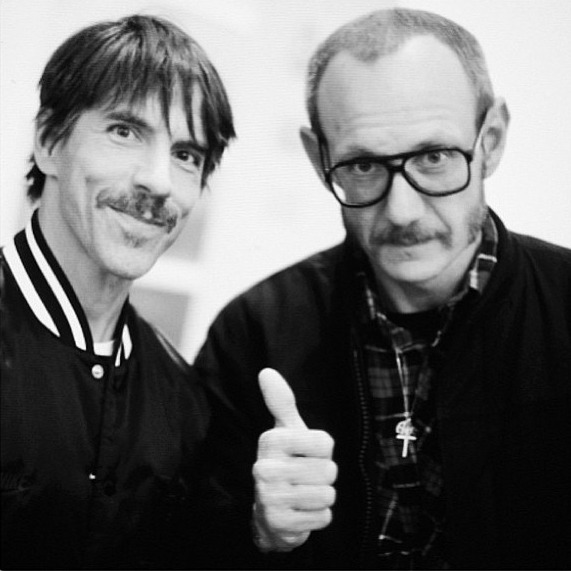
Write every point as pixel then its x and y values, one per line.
pixel 142 206
pixel 411 235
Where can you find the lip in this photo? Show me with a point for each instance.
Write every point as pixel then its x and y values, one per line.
pixel 136 227
pixel 167 224
pixel 406 245
pixel 141 218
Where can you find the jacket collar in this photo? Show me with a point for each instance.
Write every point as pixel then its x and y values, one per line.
pixel 50 295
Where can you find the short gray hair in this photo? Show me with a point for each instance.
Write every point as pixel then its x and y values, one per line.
pixel 381 33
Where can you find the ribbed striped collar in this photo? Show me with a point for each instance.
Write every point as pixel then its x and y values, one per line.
pixel 50 296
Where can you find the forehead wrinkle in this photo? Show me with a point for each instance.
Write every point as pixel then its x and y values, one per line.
pixel 349 118
pixel 393 137
pixel 397 101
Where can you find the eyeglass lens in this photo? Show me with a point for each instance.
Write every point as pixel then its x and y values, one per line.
pixel 435 172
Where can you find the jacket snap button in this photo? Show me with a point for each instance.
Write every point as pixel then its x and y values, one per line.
pixel 97 372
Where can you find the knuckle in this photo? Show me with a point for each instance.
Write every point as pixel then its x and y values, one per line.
pixel 325 497
pixel 326 440
pixel 323 443
pixel 330 496
pixel 325 519
pixel 325 471
pixel 331 472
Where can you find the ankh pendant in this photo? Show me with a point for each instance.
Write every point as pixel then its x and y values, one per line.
pixel 405 431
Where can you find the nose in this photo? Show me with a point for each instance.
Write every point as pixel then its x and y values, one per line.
pixel 403 203
pixel 154 171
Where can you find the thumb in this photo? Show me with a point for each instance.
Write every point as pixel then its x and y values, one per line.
pixel 279 399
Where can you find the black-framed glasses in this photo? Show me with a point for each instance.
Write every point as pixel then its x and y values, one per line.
pixel 365 180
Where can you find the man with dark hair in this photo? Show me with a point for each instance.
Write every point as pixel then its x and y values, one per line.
pixel 102 421
pixel 429 354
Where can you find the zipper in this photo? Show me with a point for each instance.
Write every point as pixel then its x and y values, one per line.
pixel 365 439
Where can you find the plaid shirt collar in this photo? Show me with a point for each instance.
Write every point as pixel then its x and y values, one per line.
pixel 481 269
pixel 475 279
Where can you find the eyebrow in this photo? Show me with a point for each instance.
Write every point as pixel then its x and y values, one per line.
pixel 357 151
pixel 128 117
pixel 137 121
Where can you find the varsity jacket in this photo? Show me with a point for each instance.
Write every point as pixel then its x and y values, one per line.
pixel 503 400
pixel 99 454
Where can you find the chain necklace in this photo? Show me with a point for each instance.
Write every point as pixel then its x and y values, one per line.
pixel 405 430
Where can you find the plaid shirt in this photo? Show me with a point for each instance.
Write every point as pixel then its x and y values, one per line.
pixel 409 489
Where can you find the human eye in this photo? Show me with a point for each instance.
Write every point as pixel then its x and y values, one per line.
pixel 434 159
pixel 363 168
pixel 188 159
pixel 122 131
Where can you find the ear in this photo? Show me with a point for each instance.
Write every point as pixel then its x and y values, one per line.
pixel 311 146
pixel 44 153
pixel 494 135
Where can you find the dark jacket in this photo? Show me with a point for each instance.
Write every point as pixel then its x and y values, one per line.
pixel 503 392
pixel 99 454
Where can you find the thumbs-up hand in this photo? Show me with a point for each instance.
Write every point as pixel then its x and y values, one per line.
pixel 294 473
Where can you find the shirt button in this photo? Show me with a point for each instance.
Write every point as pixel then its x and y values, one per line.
pixel 97 371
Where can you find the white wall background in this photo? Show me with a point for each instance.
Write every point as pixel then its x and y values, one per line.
pixel 266 208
